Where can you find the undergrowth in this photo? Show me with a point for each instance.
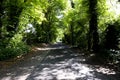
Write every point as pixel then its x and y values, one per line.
pixel 11 51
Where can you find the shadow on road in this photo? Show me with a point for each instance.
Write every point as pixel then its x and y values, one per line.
pixel 60 63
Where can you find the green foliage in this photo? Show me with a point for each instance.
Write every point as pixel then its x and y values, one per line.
pixel 76 27
pixel 47 31
pixel 13 50
pixel 52 20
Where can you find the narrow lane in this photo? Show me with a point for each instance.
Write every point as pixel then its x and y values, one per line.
pixel 68 64
pixel 59 63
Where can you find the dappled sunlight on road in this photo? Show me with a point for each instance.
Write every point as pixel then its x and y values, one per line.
pixel 67 65
pixel 67 69
pixel 58 63
pixel 53 48
pixel 18 73
pixel 49 48
pixel 106 71
pixel 58 45
pixel 13 77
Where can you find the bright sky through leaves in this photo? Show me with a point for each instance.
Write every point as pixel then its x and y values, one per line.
pixel 114 7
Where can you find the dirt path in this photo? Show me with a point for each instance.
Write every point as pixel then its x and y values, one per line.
pixel 56 62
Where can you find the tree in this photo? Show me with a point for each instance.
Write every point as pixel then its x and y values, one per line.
pixel 15 8
pixel 72 25
pixel 76 23
pixel 49 26
pixel 93 37
pixel 1 14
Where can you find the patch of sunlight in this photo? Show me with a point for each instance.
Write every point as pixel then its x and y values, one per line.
pixel 7 78
pixel 106 71
pixel 64 70
pixel 54 57
pixel 66 75
pixel 22 77
pixel 61 47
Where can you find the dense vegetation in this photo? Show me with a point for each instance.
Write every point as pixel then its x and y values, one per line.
pixel 93 25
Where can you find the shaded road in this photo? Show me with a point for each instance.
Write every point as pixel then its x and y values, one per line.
pixel 57 62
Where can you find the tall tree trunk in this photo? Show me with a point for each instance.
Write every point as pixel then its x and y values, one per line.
pixel 72 26
pixel 1 13
pixel 72 32
pixel 93 37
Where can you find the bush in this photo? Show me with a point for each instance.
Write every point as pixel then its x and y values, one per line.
pixel 13 51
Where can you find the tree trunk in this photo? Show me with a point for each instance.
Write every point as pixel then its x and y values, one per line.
pixel 72 31
pixel 1 13
pixel 93 37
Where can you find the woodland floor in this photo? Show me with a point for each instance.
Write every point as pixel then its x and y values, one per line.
pixel 55 62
